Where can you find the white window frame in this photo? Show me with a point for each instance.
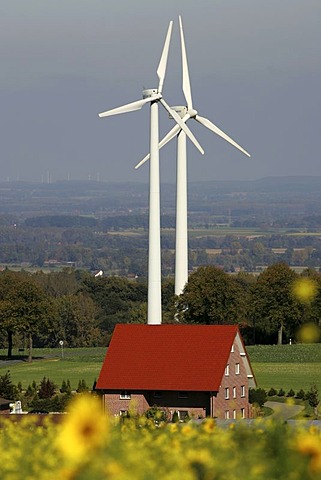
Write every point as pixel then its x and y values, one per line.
pixel 227 393
pixel 227 370
pixel 242 391
pixel 227 414
pixel 125 395
pixel 234 414
pixel 234 392
pixel 243 412
pixel 232 349
pixel 237 369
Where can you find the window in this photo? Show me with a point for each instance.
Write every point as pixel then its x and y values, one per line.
pixel 227 414
pixel 237 368
pixel 234 392
pixel 243 391
pixel 243 412
pixel 183 415
pixel 125 395
pixel 227 393
pixel 182 394
pixel 123 413
pixel 227 370
pixel 232 349
pixel 234 414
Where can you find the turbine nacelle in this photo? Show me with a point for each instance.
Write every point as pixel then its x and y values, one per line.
pixel 180 110
pixel 152 92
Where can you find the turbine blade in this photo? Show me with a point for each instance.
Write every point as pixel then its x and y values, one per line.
pixel 183 126
pixel 186 81
pixel 161 70
pixel 171 134
pixel 207 123
pixel 130 107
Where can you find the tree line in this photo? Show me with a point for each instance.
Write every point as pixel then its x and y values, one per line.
pixel 38 309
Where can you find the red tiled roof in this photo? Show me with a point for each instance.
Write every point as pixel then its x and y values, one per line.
pixel 167 357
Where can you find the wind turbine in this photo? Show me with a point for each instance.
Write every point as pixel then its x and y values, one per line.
pixel 154 96
pixel 185 113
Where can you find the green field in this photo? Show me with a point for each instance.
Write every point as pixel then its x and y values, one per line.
pixel 76 364
pixel 277 366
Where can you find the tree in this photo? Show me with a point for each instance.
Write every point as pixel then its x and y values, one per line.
pixel 211 296
pixel 275 308
pixel 24 307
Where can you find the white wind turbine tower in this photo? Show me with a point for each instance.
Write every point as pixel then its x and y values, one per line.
pixel 154 96
pixel 185 112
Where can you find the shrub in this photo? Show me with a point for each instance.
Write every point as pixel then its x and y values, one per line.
pixel 272 392
pixel 175 418
pixel 257 396
pixel 301 394
pixel 157 414
pixel 312 397
pixel 82 386
pixel 291 393
pixel 65 387
pixel 47 388
pixel 7 389
pixel 281 393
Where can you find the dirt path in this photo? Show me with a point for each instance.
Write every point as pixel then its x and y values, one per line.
pixel 283 411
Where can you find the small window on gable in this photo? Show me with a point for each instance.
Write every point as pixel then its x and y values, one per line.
pixel 243 391
pixel 232 349
pixel 227 370
pixel 125 395
pixel 237 368
pixel 227 393
pixel 182 394
pixel 234 392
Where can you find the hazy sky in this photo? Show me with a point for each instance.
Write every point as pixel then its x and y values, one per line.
pixel 255 69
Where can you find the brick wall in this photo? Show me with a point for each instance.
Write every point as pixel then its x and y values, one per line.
pixel 236 405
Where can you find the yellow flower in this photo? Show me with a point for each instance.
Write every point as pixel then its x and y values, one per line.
pixel 305 289
pixel 84 429
pixel 310 446
pixel 309 333
pixel 209 425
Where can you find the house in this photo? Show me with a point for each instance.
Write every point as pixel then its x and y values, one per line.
pixel 196 370
pixel 4 406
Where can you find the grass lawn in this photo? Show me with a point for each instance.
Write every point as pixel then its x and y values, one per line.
pixel 76 364
pixel 287 375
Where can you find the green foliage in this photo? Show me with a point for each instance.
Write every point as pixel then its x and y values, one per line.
pixel 7 389
pixel 272 392
pixel 57 403
pixel 47 389
pixel 175 417
pixel 276 310
pixel 157 414
pixel 66 387
pixel 257 396
pixel 312 396
pixel 281 393
pixel 291 393
pixel 211 296
pixel 301 394
pixel 82 386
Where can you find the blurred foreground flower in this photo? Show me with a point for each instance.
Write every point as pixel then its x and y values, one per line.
pixel 305 289
pixel 84 429
pixel 310 446
pixel 308 333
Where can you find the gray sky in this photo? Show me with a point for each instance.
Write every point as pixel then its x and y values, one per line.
pixel 255 70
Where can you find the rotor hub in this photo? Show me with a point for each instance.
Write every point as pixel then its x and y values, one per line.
pixel 192 112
